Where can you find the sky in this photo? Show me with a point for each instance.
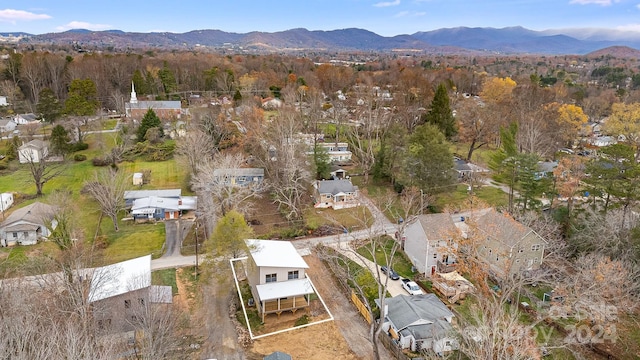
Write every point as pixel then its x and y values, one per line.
pixel 383 17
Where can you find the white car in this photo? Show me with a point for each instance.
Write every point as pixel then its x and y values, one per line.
pixel 411 287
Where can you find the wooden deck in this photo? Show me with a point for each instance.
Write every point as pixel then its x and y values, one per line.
pixel 271 306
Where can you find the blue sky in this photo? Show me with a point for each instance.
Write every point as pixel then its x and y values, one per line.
pixel 384 17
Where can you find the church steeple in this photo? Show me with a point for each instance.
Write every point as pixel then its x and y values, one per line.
pixel 134 99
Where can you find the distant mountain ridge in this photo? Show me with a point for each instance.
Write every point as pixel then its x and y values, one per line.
pixel 459 40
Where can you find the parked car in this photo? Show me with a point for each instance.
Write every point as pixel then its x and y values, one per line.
pixel 411 287
pixel 390 273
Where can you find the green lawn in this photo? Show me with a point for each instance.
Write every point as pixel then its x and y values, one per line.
pixel 400 264
pixel 166 277
pixel 461 200
pixel 134 240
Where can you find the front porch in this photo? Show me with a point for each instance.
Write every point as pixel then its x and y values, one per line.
pixel 278 297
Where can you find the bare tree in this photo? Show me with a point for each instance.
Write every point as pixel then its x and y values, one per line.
pixel 107 188
pixel 41 171
pixel 216 179
pixel 284 160
pixel 195 148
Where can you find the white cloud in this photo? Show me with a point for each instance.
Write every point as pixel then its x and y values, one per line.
pixel 11 15
pixel 83 25
pixel 410 14
pixel 387 3
pixel 629 27
pixel 596 2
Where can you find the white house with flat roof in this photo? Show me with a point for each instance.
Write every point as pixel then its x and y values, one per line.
pixel 277 275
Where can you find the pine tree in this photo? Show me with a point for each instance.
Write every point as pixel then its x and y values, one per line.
pixel 149 121
pixel 59 140
pixel 440 113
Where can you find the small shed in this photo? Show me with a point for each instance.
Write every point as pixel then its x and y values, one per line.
pixel 137 178
pixel 6 200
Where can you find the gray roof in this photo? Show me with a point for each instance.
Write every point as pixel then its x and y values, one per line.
pixel 35 213
pixel 405 310
pixel 437 329
pixel 35 143
pixel 503 228
pixel 139 194
pixel 438 226
pixel 239 172
pixel 334 187
pixel 155 105
pixel 547 166
pixel 461 165
pixel 4 122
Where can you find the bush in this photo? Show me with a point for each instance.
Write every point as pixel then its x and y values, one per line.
pixel 79 146
pixel 97 161
pixel 80 157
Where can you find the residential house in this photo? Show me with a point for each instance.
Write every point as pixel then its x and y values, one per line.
pixel 277 355
pixel 272 103
pixel 120 293
pixel 338 173
pixel 466 170
pixel 336 194
pixel 602 141
pixel 420 322
pixel 6 200
pixel 239 176
pixel 504 244
pixel 338 152
pixel 27 225
pixel 131 195
pixel 7 126
pixel 3 101
pixel 33 152
pixel 545 169
pixel 428 241
pixel 277 275
pixel 165 110
pixel 23 119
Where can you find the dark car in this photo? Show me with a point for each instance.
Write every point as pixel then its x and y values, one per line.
pixel 390 273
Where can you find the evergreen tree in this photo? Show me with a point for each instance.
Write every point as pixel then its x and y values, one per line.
pixel 440 113
pixel 167 78
pixel 149 121
pixel 139 83
pixel 82 99
pixel 504 162
pixel 428 160
pixel 49 108
pixel 59 140
pixel 322 162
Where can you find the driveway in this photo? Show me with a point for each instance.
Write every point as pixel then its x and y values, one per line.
pixel 175 232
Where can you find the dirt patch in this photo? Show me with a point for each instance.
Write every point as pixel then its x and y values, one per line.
pixel 322 341
pixel 264 217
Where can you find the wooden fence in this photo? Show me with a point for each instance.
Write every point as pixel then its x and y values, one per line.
pixel 362 308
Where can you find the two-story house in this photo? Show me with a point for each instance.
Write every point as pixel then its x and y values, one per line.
pixel 120 294
pixel 506 246
pixel 429 241
pixel 277 275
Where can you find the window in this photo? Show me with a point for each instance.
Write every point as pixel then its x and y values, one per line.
pixel 127 304
pixel 521 251
pixel 15 235
pixel 435 256
pixel 25 234
pixel 141 301
pixel 272 278
pixel 293 275
pixel 535 247
pixel 535 261
pixel 134 318
pixel 517 261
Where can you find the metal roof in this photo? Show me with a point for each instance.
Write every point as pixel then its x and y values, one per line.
pixel 138 194
pixel 275 253
pixel 283 289
pixel 120 278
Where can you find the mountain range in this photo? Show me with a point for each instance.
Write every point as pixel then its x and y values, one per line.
pixel 460 40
